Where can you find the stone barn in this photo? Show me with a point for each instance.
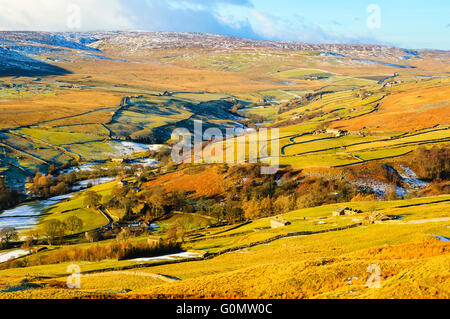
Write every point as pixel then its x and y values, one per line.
pixel 345 211
pixel 278 222
pixel 340 211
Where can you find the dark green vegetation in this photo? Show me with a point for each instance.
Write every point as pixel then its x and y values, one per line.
pixel 8 197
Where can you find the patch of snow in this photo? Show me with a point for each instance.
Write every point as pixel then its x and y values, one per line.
pixel 26 215
pixel 128 148
pixel 410 178
pixel 169 257
pixel 97 181
pixel 146 162
pixel 33 50
pixel 11 255
pixel 379 188
pixel 441 238
pixel 88 167
pixel 61 41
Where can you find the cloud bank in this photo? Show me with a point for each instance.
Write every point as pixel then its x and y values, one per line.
pixel 58 15
pixel 209 16
pixel 189 16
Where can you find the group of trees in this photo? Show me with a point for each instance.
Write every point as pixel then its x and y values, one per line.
pixel 162 155
pixel 254 197
pixel 432 164
pixel 156 201
pixel 45 185
pixel 8 198
pixel 262 196
pixel 122 197
pixel 269 199
pixel 49 185
pixel 96 253
pixel 54 230
pixel 92 199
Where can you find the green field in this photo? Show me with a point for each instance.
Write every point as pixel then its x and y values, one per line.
pixel 344 249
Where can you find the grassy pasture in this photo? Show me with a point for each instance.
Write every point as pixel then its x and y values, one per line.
pixel 63 104
pixel 60 138
pixel 407 110
pixel 306 267
pixel 92 219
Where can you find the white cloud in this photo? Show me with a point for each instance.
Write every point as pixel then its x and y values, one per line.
pixel 229 17
pixel 297 28
pixel 54 15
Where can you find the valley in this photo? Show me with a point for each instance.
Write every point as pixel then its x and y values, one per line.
pixel 88 177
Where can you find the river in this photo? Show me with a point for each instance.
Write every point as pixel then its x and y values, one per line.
pixel 27 215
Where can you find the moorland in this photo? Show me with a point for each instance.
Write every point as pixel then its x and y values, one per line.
pixel 87 177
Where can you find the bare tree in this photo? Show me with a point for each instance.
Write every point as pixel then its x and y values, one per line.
pixel 7 235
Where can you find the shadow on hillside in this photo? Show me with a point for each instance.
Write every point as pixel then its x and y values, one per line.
pixel 16 64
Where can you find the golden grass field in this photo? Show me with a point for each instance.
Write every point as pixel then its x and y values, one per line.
pixel 60 104
pixel 387 111
pixel 413 263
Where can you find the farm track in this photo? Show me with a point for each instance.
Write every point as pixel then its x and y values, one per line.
pixel 106 214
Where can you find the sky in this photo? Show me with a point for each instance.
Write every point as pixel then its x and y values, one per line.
pixel 413 24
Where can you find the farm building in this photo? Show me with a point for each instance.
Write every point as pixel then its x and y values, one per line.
pixel 117 160
pixel 342 211
pixel 277 223
pixel 336 132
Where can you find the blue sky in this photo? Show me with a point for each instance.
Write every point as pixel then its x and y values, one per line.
pixel 411 24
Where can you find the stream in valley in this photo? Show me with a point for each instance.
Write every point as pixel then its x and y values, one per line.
pixel 26 215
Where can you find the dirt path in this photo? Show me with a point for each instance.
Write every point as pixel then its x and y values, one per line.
pixel 105 213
